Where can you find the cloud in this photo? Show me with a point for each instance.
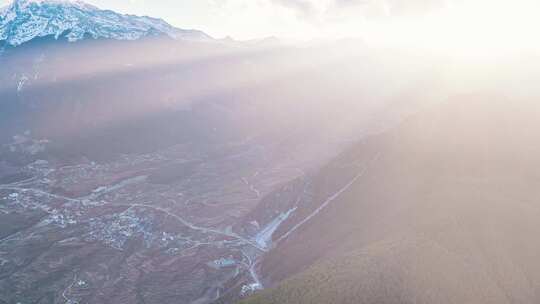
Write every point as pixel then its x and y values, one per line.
pixel 303 8
pixel 349 3
pixel 318 8
pixel 302 5
pixel 415 7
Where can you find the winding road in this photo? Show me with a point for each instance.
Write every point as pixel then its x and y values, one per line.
pixel 329 200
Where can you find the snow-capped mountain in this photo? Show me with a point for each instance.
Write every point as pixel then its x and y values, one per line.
pixel 25 20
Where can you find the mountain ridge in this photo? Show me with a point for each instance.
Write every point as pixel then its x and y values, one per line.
pixel 25 20
pixel 443 216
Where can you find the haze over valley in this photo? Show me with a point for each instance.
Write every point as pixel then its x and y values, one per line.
pixel 141 162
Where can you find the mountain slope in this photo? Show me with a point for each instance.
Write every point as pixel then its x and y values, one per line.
pixel 25 20
pixel 447 214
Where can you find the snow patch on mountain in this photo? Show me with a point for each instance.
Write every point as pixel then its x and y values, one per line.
pixel 25 20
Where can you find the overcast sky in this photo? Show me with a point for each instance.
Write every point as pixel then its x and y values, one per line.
pixel 246 19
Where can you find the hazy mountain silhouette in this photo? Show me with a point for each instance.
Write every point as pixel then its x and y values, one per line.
pixel 446 212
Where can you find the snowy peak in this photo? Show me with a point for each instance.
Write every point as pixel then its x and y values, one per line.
pixel 23 4
pixel 25 20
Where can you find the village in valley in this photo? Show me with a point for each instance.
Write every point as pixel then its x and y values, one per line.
pixel 149 214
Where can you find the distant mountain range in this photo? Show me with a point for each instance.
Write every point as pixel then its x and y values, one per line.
pixel 25 20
